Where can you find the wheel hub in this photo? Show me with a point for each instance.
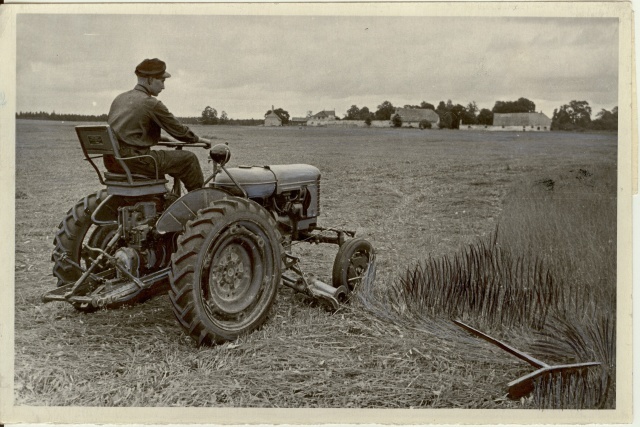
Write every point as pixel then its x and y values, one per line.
pixel 234 274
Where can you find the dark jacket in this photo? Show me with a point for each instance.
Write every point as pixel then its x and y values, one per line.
pixel 137 117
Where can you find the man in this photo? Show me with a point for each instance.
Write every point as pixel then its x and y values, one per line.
pixel 137 117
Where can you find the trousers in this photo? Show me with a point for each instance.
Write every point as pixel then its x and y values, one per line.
pixel 180 164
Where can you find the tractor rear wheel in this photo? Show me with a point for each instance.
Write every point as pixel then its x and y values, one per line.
pixel 353 259
pixel 226 271
pixel 75 232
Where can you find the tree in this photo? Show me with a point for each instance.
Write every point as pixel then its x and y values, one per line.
pixel 427 106
pixel 209 116
pixel 469 114
pixel 485 117
pixel 522 105
pixel 457 113
pixel 366 114
pixel 423 105
pixel 580 113
pixel 223 117
pixel 385 110
pixel 450 114
pixel 575 115
pixel 445 121
pixel 442 109
pixel 561 119
pixel 396 120
pixel 606 120
pixel 284 115
pixel 472 107
pixel 353 113
pixel 367 121
pixel 309 113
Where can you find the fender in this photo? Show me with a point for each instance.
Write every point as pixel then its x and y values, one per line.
pixel 186 208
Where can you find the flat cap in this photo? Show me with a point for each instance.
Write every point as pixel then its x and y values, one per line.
pixel 152 68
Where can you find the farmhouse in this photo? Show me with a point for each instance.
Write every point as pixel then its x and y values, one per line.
pixel 272 119
pixel 299 121
pixel 324 115
pixel 323 118
pixel 522 121
pixel 411 117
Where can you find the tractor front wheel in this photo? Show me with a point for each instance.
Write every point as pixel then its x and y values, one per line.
pixel 226 271
pixel 352 261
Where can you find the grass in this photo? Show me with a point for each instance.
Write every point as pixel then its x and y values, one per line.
pixel 416 195
pixel 549 271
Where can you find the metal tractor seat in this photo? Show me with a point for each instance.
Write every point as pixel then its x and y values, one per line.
pixel 100 140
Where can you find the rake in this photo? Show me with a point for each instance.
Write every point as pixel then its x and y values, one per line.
pixel 525 384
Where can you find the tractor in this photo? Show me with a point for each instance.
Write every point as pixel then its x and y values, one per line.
pixel 220 251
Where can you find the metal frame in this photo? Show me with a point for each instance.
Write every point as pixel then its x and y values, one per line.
pixel 99 140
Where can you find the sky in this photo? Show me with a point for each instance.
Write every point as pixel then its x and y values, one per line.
pixel 77 63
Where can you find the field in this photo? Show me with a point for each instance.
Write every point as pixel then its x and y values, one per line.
pixel 418 196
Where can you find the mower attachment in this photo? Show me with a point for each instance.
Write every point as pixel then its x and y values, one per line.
pixel 327 295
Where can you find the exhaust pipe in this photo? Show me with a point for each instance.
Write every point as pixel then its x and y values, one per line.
pixel 329 296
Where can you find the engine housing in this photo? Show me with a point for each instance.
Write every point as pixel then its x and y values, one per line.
pixel 291 192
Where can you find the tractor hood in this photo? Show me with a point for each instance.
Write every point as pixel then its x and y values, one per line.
pixel 264 181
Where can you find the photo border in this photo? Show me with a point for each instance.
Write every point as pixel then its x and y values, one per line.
pixel 627 187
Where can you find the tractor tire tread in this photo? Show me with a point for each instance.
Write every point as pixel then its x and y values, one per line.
pixel 184 260
pixel 68 230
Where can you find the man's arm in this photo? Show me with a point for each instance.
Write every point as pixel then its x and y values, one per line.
pixel 172 126
pixel 201 140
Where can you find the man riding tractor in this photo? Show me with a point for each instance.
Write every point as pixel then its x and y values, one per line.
pixel 137 117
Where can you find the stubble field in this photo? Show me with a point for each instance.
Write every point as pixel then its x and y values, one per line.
pixel 414 194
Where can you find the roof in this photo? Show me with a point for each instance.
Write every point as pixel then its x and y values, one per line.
pixel 324 113
pixel 521 119
pixel 417 114
pixel 298 119
pixel 272 115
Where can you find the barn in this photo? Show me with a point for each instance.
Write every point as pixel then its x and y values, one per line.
pixel 411 117
pixel 522 121
pixel 272 119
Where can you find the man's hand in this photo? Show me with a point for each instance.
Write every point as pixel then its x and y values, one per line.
pixel 206 142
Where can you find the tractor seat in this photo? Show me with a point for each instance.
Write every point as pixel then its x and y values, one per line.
pixel 99 141
pixel 111 176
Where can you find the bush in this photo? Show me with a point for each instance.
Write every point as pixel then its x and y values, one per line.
pixel 397 121
pixel 425 124
pixel 368 121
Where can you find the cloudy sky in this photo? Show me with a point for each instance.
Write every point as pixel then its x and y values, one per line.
pixel 244 64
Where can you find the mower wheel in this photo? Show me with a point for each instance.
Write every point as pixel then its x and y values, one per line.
pixel 76 230
pixel 226 271
pixel 352 261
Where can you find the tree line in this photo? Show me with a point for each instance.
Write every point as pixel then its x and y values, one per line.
pixel 450 114
pixel 223 119
pixel 574 116
pixel 41 115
